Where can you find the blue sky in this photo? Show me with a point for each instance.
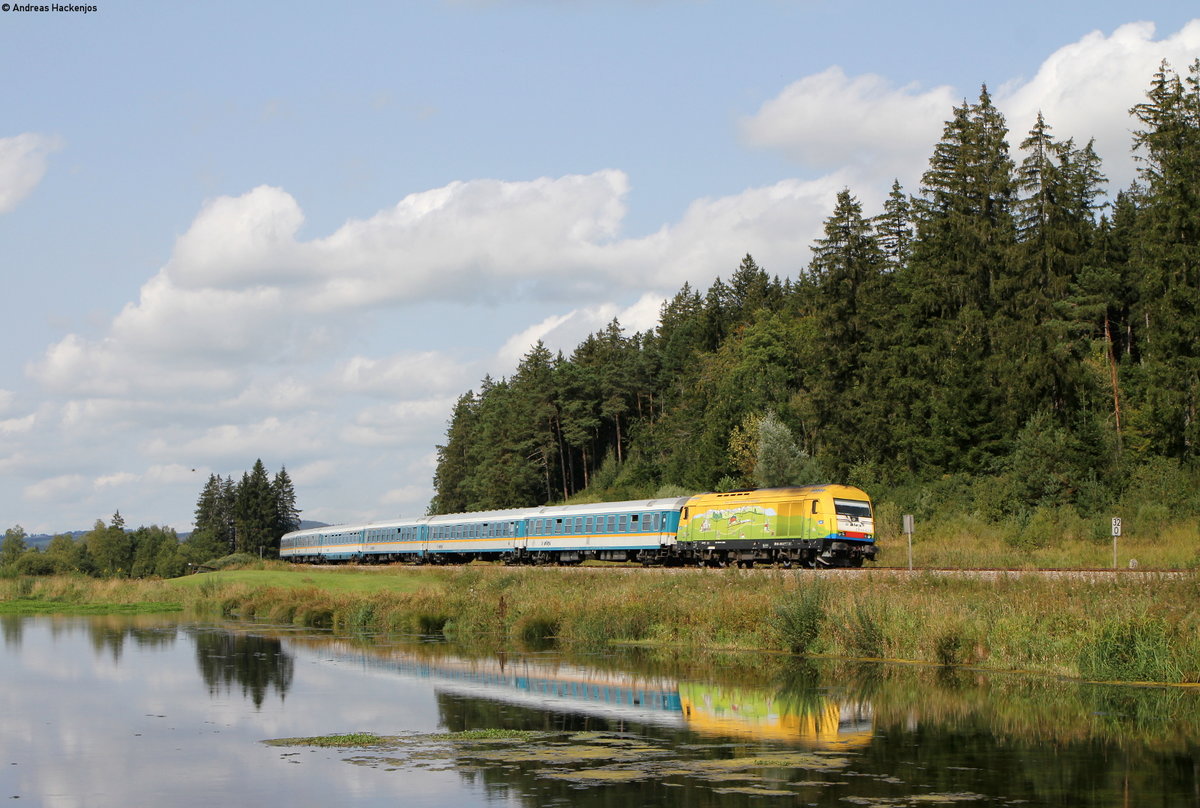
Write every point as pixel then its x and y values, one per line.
pixel 297 232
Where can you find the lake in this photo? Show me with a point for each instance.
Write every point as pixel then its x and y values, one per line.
pixel 155 711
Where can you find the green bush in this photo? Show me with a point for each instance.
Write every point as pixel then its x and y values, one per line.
pixel 802 617
pixel 865 634
pixel 37 564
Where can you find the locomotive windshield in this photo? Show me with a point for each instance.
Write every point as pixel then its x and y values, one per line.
pixel 854 508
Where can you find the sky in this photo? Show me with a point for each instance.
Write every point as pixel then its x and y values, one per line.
pixel 297 232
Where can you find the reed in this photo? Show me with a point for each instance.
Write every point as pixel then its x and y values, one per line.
pixel 1108 628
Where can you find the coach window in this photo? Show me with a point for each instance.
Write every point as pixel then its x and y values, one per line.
pixel 558 527
pixel 578 524
pixel 621 521
pixel 568 526
pixel 611 524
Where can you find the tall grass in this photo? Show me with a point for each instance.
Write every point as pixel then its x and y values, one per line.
pixel 1142 628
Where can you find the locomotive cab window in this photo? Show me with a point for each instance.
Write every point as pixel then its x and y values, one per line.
pixel 854 508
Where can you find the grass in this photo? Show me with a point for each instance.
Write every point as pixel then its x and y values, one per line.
pixel 971 543
pixel 24 607
pixel 333 579
pixel 1142 629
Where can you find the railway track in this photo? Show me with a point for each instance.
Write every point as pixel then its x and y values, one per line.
pixel 1093 573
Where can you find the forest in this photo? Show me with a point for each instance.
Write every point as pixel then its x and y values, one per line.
pixel 1013 342
pixel 243 519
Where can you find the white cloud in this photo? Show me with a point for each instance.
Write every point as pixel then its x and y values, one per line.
pixel 403 374
pixel 22 166
pixel 318 471
pixel 777 224
pixel 59 487
pixel 875 130
pixel 420 422
pixel 1087 88
pixel 563 332
pixel 269 437
pixel 830 121
pixel 405 495
pixel 240 294
pixel 13 426
pixel 119 479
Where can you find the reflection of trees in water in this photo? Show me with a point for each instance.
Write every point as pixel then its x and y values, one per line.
pixel 256 663
pixel 109 635
pixel 12 626
pixel 1056 742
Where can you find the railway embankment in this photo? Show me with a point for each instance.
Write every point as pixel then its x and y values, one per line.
pixel 1143 627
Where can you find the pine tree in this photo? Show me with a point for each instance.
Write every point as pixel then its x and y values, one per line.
pixel 287 515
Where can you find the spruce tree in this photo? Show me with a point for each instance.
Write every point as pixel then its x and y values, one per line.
pixel 1167 260
pixel 287 515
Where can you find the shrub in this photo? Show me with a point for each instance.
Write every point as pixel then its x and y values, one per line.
pixel 801 618
pixel 865 636
pixel 37 564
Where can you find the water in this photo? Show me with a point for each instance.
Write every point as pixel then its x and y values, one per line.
pixel 147 711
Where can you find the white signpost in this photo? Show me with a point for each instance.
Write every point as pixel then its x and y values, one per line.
pixel 908 529
pixel 1116 531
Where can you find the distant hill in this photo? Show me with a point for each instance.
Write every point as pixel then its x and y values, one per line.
pixel 40 540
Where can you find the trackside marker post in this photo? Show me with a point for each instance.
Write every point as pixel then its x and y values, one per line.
pixel 908 530
pixel 1116 532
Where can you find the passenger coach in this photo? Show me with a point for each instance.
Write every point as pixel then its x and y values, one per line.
pixel 816 525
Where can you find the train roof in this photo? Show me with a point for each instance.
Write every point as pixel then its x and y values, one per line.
pixel 509 514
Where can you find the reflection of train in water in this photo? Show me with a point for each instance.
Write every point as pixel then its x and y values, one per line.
pixel 809 718
pixel 741 711
pixel 816 525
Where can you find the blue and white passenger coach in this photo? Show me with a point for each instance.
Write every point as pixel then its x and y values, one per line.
pixel 641 530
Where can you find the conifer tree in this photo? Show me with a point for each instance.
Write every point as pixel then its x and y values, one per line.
pixel 846 266
pixel 287 515
pixel 1168 260
pixel 894 229
pixel 453 458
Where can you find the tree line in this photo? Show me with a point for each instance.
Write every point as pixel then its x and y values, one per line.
pixel 1005 334
pixel 249 516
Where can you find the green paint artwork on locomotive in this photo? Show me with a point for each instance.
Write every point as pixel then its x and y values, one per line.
pixel 804 513
pixel 749 522
pixel 753 523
